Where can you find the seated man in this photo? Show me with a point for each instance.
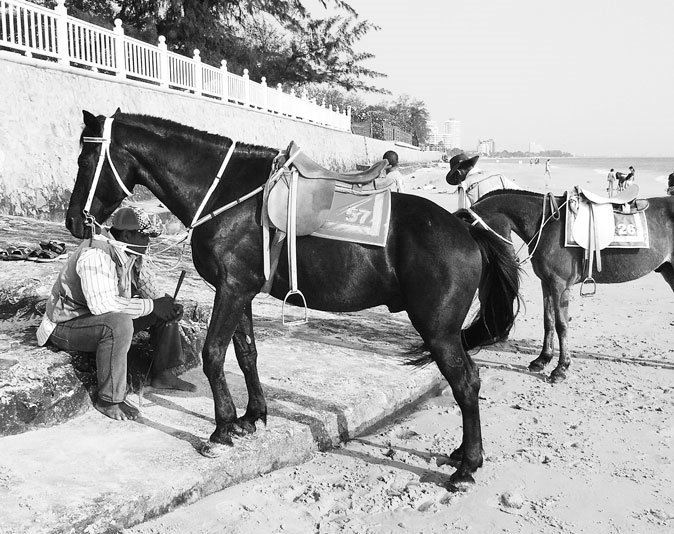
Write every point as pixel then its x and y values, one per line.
pixel 91 309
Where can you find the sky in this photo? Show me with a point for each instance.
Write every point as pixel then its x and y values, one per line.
pixel 591 77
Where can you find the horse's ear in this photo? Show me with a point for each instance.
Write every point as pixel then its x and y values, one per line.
pixel 118 111
pixel 90 121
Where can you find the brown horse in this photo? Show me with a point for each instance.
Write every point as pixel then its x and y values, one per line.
pixel 431 266
pixel 560 267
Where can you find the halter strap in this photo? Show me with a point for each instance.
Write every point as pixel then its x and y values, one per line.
pixel 105 141
pixel 215 183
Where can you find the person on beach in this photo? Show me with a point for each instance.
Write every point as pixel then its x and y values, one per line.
pixel 611 182
pixel 547 169
pixel 472 182
pixel 393 177
pixel 670 184
pixel 91 309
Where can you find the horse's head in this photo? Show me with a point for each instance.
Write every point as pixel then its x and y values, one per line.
pixel 104 175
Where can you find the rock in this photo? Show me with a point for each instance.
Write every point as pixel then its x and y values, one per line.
pixel 511 499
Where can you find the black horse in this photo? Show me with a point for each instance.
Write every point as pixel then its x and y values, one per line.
pixel 431 267
pixel 560 267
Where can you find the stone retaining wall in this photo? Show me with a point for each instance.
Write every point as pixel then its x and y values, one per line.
pixel 41 107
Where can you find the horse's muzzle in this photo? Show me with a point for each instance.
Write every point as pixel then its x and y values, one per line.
pixel 77 228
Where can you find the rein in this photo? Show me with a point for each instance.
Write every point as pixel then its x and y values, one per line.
pixel 106 139
pixel 548 198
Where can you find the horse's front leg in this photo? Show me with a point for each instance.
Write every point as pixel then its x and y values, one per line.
pixel 246 355
pixel 548 350
pixel 227 311
pixel 560 297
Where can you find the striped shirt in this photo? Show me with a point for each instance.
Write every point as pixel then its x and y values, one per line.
pixel 103 291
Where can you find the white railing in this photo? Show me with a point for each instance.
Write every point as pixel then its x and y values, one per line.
pixel 49 35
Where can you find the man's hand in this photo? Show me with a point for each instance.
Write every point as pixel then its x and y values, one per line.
pixel 167 309
pixel 177 311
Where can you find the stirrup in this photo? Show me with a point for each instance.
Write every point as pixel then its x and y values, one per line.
pixel 589 281
pixel 283 309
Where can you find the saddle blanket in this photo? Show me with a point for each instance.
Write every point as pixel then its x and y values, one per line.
pixel 358 218
pixel 631 230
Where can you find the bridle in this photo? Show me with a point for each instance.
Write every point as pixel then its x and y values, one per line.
pixel 555 214
pixel 104 155
pixel 106 139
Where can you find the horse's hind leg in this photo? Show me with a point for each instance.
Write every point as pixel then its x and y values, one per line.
pixel 667 272
pixel 246 355
pixel 548 350
pixel 463 377
pixel 560 299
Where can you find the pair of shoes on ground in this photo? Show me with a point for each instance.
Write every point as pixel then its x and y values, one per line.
pixel 49 251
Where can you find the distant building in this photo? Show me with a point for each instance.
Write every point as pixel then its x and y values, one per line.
pixel 486 147
pixel 535 148
pixel 448 133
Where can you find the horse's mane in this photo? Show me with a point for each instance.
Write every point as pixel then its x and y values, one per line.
pixel 167 127
pixel 519 192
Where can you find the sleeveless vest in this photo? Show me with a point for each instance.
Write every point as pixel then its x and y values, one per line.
pixel 67 300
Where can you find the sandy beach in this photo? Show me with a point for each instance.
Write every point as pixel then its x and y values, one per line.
pixel 591 455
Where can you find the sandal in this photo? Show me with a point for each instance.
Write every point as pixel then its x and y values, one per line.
pixel 17 253
pixel 55 246
pixel 33 254
pixel 47 256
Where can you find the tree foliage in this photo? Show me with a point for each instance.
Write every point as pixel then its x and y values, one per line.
pixel 404 112
pixel 278 39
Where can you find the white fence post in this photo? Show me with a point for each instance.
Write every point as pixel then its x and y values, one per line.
pixel 61 13
pixel 291 102
pixel 279 89
pixel 120 55
pixel 225 80
pixel 197 72
pixel 246 87
pixel 265 95
pixel 164 74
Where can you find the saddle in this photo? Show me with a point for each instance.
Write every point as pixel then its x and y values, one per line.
pixel 594 225
pixel 296 202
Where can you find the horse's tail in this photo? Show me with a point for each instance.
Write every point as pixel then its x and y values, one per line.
pixel 498 291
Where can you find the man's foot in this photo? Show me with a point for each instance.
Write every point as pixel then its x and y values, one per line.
pixel 167 380
pixel 118 411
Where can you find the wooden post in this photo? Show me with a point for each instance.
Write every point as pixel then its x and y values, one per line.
pixel 225 80
pixel 197 72
pixel 62 32
pixel 265 96
pixel 120 55
pixel 164 72
pixel 279 89
pixel 246 87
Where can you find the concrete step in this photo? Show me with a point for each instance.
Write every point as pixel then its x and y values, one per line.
pixel 323 385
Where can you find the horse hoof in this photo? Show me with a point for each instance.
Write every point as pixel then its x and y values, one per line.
pixel 243 428
pixel 556 378
pixel 536 367
pixel 211 449
pixel 460 483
